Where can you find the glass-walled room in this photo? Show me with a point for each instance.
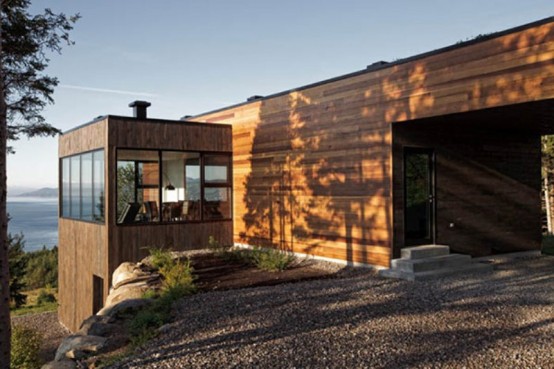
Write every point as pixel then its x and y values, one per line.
pixel 155 186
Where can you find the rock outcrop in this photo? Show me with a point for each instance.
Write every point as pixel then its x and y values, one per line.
pixel 105 331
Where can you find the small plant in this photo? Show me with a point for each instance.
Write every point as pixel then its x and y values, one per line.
pixel 178 275
pixel 160 257
pixel 178 281
pixel 25 348
pixel 45 296
pixel 217 247
pixel 271 260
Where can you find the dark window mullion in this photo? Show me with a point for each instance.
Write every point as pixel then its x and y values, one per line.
pixel 160 174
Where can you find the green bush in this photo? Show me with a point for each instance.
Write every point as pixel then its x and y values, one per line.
pixel 45 296
pixel 160 257
pixel 178 275
pixel 266 259
pixel 25 348
pixel 17 265
pixel 271 260
pixel 178 281
pixel 42 268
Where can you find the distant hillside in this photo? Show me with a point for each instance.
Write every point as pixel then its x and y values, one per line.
pixel 43 192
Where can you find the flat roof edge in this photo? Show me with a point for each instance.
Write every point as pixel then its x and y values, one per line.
pixel 476 40
pixel 147 120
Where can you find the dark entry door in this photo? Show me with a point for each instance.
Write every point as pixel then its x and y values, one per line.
pixel 419 196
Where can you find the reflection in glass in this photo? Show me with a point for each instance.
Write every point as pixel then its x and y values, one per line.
pixel 418 192
pixel 216 168
pixel 138 180
pixel 65 188
pixel 217 204
pixel 75 187
pixel 82 182
pixel 86 186
pixel 98 178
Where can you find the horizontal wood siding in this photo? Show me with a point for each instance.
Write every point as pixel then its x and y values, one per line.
pixel 82 254
pixel 312 167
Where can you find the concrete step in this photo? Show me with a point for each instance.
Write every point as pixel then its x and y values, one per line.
pixel 424 251
pixel 470 268
pixel 430 263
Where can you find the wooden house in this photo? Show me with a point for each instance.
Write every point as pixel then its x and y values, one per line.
pixel 443 147
pixel 132 183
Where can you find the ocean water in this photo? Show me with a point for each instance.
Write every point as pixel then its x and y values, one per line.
pixel 36 218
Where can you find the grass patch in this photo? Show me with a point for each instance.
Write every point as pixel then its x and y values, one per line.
pixel 271 260
pixel 548 245
pixel 40 300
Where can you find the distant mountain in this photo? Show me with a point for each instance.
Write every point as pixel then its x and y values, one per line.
pixel 43 192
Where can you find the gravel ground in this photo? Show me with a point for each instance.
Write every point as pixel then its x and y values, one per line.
pixel 50 328
pixel 499 320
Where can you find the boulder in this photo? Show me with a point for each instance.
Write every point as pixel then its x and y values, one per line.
pixel 127 292
pixel 124 307
pixel 127 272
pixel 75 342
pixel 97 325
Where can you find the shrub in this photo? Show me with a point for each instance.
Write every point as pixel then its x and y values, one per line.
pixel 17 265
pixel 45 296
pixel 178 281
pixel 178 276
pixel 25 348
pixel 159 257
pixel 42 268
pixel 271 260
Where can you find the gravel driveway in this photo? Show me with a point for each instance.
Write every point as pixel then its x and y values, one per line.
pixel 499 320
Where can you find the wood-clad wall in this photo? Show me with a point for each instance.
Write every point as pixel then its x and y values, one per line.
pixel 168 135
pixel 82 246
pixel 87 249
pixel 82 254
pixel 130 242
pixel 312 167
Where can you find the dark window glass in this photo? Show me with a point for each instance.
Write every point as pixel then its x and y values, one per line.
pixel 192 195
pixel 75 187
pixel 98 181
pixel 86 186
pixel 138 186
pixel 82 182
pixel 65 211
pixel 216 169
pixel 217 203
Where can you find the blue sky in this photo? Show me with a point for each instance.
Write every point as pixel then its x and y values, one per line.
pixel 187 57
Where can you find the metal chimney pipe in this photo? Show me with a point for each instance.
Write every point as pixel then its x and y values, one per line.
pixel 139 108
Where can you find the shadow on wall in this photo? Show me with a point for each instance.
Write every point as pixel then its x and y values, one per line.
pixel 318 176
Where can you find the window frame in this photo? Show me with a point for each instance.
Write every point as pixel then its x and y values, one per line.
pixel 202 154
pixel 61 192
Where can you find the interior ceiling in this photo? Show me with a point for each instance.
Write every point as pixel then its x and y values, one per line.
pixel 532 117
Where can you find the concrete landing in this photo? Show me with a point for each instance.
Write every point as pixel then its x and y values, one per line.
pixel 431 261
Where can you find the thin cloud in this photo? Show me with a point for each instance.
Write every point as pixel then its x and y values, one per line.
pixel 107 91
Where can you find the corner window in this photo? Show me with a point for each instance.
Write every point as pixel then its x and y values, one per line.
pixel 82 184
pixel 172 186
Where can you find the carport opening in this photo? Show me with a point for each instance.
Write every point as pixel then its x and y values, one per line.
pixel 488 178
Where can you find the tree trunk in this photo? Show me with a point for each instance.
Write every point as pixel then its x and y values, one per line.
pixel 548 203
pixel 5 322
